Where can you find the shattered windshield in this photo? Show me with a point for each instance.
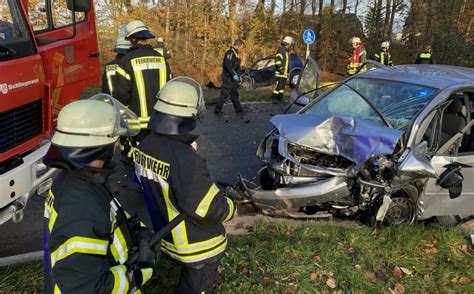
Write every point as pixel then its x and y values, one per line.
pixel 397 102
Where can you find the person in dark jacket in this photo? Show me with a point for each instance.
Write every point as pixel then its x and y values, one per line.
pixel 88 237
pixel 282 65
pixel 384 56
pixel 161 48
pixel 142 72
pixel 109 77
pixel 425 57
pixel 176 180
pixel 230 78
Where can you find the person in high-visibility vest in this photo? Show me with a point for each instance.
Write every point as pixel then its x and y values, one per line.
pixel 88 236
pixel 358 57
pixel 425 57
pixel 109 77
pixel 141 74
pixel 161 48
pixel 384 56
pixel 282 67
pixel 175 180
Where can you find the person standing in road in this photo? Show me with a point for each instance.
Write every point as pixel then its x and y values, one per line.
pixel 141 74
pixel 161 48
pixel 88 237
pixel 109 77
pixel 176 180
pixel 230 78
pixel 384 56
pixel 425 57
pixel 282 65
pixel 358 57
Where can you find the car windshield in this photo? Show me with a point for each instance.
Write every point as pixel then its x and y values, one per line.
pixel 397 102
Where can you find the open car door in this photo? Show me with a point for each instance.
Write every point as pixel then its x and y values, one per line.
pixel 307 84
pixel 263 71
pixel 454 165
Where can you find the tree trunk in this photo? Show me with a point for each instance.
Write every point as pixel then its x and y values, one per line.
pixel 393 12
pixel 282 19
pixel 167 17
pixel 232 18
pixel 388 6
pixel 344 7
pixel 356 6
pixel 302 7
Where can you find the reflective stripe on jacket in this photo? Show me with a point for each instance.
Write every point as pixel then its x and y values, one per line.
pixel 142 73
pixel 424 58
pixel 384 58
pixel 87 239
pixel 109 77
pixel 282 62
pixel 358 57
pixel 176 180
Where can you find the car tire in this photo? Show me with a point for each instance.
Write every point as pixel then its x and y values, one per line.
pixel 246 82
pixel 294 76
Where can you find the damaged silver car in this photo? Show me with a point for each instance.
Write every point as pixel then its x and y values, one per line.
pixel 392 145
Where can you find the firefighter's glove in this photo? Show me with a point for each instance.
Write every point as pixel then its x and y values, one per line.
pixel 138 277
pixel 145 253
pixel 236 77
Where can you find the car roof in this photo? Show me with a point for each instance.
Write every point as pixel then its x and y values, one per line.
pixel 435 76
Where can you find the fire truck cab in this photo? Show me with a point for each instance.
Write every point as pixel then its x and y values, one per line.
pixel 48 55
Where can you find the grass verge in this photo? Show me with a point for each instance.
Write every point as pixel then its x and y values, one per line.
pixel 319 257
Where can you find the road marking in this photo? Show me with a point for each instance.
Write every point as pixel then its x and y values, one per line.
pixel 32 256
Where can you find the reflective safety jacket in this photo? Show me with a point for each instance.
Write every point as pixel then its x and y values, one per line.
pixel 87 236
pixel 282 62
pixel 358 57
pixel 109 77
pixel 141 74
pixel 160 48
pixel 230 65
pixel 424 58
pixel 175 180
pixel 384 57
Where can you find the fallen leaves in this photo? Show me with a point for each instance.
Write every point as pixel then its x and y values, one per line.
pixel 397 273
pixel 313 276
pixel 431 249
pixel 331 283
pixel 399 289
pixel 370 277
pixel 464 280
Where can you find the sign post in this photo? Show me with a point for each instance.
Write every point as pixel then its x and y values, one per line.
pixel 309 37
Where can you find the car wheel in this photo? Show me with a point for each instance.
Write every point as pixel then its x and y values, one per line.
pixel 245 81
pixel 294 77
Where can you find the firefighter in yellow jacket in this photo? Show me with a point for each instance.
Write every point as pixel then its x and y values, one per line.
pixel 176 180
pixel 88 236
pixel 282 65
pixel 142 73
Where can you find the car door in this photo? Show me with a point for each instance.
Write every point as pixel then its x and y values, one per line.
pixel 436 200
pixel 308 81
pixel 70 56
pixel 263 71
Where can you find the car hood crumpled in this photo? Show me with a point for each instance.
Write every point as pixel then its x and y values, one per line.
pixel 351 137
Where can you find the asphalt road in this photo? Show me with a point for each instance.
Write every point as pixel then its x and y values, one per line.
pixel 227 143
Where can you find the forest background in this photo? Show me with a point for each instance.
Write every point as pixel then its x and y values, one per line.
pixel 197 32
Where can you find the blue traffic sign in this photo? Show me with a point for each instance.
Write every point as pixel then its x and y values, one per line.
pixel 309 36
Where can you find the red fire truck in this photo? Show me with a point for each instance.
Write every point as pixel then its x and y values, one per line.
pixel 48 55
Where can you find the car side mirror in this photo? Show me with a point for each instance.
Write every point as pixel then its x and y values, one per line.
pixel 79 5
pixel 452 179
pixel 302 101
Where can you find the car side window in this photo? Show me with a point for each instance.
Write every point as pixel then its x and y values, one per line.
pixel 429 131
pixel 60 15
pixel 454 125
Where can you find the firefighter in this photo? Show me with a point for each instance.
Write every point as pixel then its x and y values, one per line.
pixel 176 180
pixel 88 236
pixel 141 74
pixel 358 57
pixel 425 57
pixel 109 78
pixel 230 78
pixel 384 56
pixel 161 48
pixel 282 65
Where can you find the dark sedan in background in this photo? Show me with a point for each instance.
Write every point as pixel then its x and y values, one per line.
pixel 262 72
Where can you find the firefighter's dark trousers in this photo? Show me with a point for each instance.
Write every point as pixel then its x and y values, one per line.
pixel 229 86
pixel 194 280
pixel 277 94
